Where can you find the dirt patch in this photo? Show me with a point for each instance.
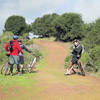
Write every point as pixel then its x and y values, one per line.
pixel 56 86
pixel 2 94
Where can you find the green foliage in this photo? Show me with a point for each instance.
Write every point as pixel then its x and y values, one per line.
pixel 37 53
pixel 92 45
pixel 95 58
pixel 43 26
pixel 15 24
pixel 92 37
pixel 67 61
pixel 29 42
pixel 68 26
pixel 4 38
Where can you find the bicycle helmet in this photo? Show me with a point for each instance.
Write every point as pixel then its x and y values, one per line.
pixel 15 37
pixel 76 41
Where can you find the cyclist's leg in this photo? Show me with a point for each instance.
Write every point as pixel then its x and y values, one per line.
pixel 18 68
pixel 11 65
pixel 69 68
pixel 72 69
pixel 11 68
pixel 16 59
pixel 73 61
pixel 70 65
pixel 22 63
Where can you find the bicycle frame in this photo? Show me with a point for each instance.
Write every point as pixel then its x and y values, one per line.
pixel 31 65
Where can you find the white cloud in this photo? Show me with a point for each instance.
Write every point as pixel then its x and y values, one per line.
pixel 38 4
pixel 32 9
pixel 89 9
pixel 7 9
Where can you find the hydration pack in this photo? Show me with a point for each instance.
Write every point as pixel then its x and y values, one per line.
pixel 11 46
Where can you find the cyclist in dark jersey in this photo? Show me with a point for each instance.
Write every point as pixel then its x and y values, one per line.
pixel 76 55
pixel 21 56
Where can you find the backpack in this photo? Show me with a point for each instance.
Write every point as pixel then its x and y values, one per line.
pixel 11 46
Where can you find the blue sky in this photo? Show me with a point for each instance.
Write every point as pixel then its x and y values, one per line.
pixel 31 9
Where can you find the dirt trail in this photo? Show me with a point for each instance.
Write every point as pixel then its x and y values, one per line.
pixel 60 87
pixel 52 84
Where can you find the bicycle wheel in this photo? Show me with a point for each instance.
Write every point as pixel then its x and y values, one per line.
pixel 81 69
pixel 4 69
pixel 1 69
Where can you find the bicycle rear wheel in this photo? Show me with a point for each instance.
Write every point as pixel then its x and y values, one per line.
pixel 81 69
pixel 1 69
pixel 4 69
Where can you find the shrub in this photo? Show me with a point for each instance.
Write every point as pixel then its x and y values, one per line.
pixel 67 61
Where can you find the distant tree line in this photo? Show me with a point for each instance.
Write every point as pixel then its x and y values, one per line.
pixel 17 24
pixel 64 27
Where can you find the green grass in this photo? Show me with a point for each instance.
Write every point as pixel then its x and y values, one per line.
pixel 26 79
pixel 51 39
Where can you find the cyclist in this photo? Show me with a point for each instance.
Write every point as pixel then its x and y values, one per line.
pixel 13 48
pixel 21 57
pixel 76 55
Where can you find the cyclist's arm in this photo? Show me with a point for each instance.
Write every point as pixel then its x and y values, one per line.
pixel 19 48
pixel 6 47
pixel 25 48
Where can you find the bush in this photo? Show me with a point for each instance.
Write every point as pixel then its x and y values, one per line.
pixel 68 27
pixel 95 58
pixel 92 45
pixel 29 57
pixel 15 24
pixel 28 42
pixel 67 61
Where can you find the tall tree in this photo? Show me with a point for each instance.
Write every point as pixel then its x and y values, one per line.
pixel 15 24
pixel 43 26
pixel 68 26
